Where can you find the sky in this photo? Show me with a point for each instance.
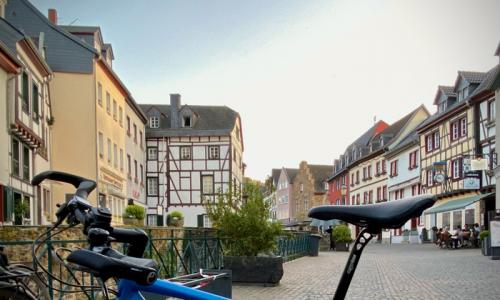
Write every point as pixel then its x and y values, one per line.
pixel 306 77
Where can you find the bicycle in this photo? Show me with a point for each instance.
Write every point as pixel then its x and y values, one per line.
pixel 18 281
pixel 372 218
pixel 133 273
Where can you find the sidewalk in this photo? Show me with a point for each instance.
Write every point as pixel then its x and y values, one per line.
pixel 388 272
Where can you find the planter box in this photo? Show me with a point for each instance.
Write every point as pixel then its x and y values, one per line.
pixel 257 270
pixel 133 222
pixel 341 246
pixel 486 246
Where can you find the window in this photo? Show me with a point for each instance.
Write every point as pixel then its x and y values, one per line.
pixel 115 110
pixel 109 152
pixel 377 168
pixel 357 176
pixel 26 163
pixel 446 219
pixel 154 122
pixel 135 133
pixel 301 188
pixel 412 160
pixel 186 152
pixel 213 152
pixel 15 157
pixel 128 125
pixel 35 101
pixel 142 174
pixel 26 96
pixel 365 197
pixel 401 193
pixel 326 185
pixel 394 168
pixel 186 121
pixel 353 200
pixel 383 166
pixel 463 127
pixel 491 112
pixel 370 197
pixel 384 192
pixel 108 103
pixel 136 178
pixel 456 168
pixel 469 217
pixel 101 145
pixel 207 184
pixel 140 138
pixel 115 156
pixel 432 141
pixel 415 189
pixel 121 160
pixel 152 186
pixel 352 179
pixel 357 199
pixel 129 166
pixel 120 116
pixel 379 194
pixel 152 153
pixel 457 219
pixel 430 178
pixel 364 174
pixel 369 172
pixel 99 93
pixel 458 129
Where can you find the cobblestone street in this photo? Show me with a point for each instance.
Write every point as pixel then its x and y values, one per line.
pixel 388 272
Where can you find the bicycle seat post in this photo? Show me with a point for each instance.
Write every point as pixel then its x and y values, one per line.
pixel 361 240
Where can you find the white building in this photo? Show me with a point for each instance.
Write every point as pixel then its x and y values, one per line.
pixel 193 152
pixel 403 165
pixel 25 115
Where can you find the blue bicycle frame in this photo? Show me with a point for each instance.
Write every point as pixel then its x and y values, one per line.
pixel 129 290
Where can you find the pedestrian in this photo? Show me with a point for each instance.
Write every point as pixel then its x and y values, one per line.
pixel 332 241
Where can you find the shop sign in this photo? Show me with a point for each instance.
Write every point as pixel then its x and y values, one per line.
pixel 471 183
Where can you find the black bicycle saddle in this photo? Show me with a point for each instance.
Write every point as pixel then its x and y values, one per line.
pixel 393 214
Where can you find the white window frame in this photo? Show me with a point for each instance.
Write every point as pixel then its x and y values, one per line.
pixel 207 184
pixel 185 152
pixel 152 186
pixel 151 151
pixel 213 152
pixel 154 122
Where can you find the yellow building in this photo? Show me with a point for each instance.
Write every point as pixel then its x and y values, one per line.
pixel 448 145
pixel 89 108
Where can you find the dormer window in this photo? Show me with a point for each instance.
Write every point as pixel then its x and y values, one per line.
pixel 154 122
pixel 463 93
pixel 186 121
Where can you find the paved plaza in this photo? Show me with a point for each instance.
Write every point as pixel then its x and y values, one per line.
pixel 388 272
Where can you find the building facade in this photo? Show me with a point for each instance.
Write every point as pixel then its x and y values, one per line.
pixel 89 103
pixel 451 143
pixel 193 153
pixel 284 197
pixel 309 188
pixel 25 132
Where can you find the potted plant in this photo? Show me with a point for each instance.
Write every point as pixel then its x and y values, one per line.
pixel 175 218
pixel 248 236
pixel 342 236
pixel 134 215
pixel 20 211
pixel 484 236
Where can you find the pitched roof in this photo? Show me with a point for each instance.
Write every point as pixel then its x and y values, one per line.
pixel 471 77
pixel 275 175
pixel 292 173
pixel 410 139
pixel 211 120
pixel 447 90
pixel 320 174
pixel 488 81
pixel 56 27
pixel 80 29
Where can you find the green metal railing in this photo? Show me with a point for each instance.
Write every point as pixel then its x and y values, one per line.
pixel 177 251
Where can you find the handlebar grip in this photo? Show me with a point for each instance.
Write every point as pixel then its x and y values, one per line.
pixel 58 176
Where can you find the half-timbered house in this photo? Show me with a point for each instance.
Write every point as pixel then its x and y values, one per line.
pixel 25 135
pixel 449 141
pixel 193 152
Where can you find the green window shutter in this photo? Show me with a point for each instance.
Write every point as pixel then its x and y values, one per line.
pixel 8 204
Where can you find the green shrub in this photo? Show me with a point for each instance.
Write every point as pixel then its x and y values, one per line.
pixel 244 228
pixel 176 214
pixel 342 234
pixel 484 234
pixel 134 212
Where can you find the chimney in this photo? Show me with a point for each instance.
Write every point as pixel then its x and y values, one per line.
pixel 53 16
pixel 175 107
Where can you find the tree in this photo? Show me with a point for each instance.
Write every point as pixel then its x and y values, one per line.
pixel 244 227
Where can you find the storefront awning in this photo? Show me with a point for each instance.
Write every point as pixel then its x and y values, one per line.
pixel 456 204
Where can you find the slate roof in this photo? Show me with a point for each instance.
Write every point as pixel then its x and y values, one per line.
pixel 320 174
pixel 410 139
pixel 211 120
pixel 275 175
pixel 447 90
pixel 80 29
pixel 473 77
pixel 292 173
